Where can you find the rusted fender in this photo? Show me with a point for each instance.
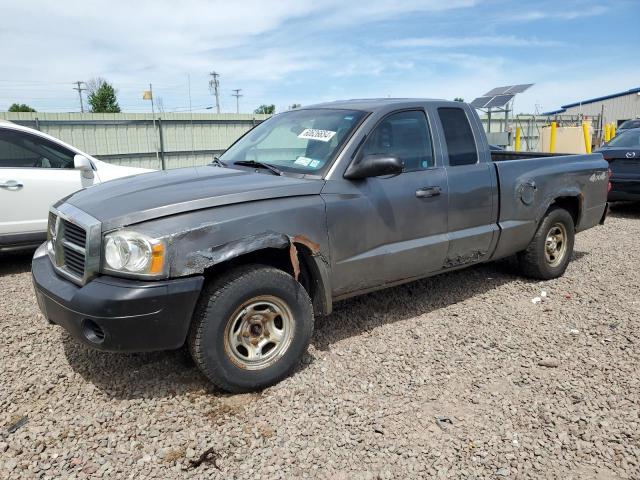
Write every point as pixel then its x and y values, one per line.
pixel 198 262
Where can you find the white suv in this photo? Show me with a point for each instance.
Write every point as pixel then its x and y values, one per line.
pixel 37 170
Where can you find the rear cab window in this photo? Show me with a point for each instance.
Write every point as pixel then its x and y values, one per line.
pixel 461 144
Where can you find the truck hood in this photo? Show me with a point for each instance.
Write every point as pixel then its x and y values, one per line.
pixel 148 196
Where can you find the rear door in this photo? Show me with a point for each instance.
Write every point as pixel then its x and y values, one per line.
pixel 472 190
pixel 34 174
pixel 390 228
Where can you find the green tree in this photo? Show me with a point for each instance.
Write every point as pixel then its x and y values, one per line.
pixel 294 106
pixel 102 96
pixel 458 99
pixel 21 107
pixel 268 109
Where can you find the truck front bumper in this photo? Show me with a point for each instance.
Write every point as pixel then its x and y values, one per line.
pixel 117 314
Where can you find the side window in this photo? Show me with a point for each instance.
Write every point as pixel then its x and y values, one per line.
pixel 404 135
pixel 23 150
pixel 459 137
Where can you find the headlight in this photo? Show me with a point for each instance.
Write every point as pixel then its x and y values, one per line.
pixel 133 253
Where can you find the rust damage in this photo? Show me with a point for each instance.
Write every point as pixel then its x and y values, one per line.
pixel 293 251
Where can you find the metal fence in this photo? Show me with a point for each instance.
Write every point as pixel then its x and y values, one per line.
pixel 184 139
pixel 138 140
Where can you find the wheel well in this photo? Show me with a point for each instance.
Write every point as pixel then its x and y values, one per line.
pixel 279 258
pixel 571 205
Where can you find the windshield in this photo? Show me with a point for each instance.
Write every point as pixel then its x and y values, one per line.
pixel 629 124
pixel 300 141
pixel 627 139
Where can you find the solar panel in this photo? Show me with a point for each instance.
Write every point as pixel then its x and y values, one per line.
pixel 497 91
pixel 519 88
pixel 508 89
pixel 499 101
pixel 480 102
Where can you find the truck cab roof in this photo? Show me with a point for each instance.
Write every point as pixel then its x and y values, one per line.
pixel 374 104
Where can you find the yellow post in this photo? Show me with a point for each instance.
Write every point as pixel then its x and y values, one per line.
pixel 607 132
pixel 552 138
pixel 613 129
pixel 587 137
pixel 518 133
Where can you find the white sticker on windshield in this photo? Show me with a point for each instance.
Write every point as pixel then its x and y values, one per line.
pixel 315 134
pixel 304 161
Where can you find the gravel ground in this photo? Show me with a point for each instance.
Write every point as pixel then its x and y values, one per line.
pixel 458 376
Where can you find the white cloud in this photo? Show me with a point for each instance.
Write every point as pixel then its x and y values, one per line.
pixel 284 52
pixel 134 42
pixel 479 41
pixel 560 12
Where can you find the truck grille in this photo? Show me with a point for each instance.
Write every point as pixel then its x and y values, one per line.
pixel 74 261
pixel 73 239
pixel 74 243
pixel 74 234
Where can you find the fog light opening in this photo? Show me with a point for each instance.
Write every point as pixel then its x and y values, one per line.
pixel 92 331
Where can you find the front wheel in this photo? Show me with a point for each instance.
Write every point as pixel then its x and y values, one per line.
pixel 250 328
pixel 548 254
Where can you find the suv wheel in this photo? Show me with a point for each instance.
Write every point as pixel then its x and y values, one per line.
pixel 250 328
pixel 548 254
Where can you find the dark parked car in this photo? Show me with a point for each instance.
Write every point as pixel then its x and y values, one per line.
pixel 310 207
pixel 623 155
pixel 628 125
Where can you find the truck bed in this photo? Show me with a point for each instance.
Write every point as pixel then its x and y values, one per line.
pixel 530 182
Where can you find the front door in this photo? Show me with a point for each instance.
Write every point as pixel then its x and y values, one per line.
pixel 386 229
pixel 34 174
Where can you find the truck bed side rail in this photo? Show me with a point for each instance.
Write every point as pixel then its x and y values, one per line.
pixel 500 155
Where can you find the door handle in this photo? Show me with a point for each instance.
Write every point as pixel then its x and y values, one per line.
pixel 11 184
pixel 427 192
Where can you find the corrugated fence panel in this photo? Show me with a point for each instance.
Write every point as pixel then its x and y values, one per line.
pixel 133 139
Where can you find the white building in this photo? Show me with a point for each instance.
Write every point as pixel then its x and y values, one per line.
pixel 616 107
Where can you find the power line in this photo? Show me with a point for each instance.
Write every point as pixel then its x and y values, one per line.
pixel 214 85
pixel 237 95
pixel 80 89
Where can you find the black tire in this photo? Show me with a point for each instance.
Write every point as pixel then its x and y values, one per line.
pixel 533 262
pixel 220 300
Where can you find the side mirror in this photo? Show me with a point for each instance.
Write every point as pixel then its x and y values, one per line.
pixel 374 166
pixel 82 163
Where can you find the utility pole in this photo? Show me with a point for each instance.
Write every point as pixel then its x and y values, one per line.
pixel 148 95
pixel 237 95
pixel 80 89
pixel 214 85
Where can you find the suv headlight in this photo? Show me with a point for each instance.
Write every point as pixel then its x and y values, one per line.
pixel 133 254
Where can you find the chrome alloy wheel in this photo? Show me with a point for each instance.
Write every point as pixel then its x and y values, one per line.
pixel 259 332
pixel 555 245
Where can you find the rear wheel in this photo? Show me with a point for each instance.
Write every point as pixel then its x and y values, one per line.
pixel 548 254
pixel 250 328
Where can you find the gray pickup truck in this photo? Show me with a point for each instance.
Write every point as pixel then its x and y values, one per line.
pixel 310 207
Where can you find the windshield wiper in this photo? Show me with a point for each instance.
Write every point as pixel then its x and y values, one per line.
pixel 253 163
pixel 217 162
